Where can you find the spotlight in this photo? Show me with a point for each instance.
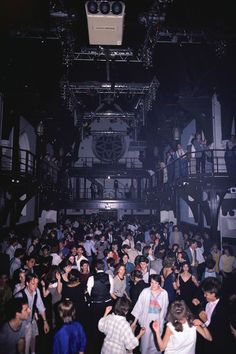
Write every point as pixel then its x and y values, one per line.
pixel 116 8
pixel 92 7
pixel 105 7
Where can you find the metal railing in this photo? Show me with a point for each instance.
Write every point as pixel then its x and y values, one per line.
pixel 105 193
pixel 24 163
pixel 210 163
pixel 127 162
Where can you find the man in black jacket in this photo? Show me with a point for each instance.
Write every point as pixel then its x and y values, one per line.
pixel 215 317
pixel 100 289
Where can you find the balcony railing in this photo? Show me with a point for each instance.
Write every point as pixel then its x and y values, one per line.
pixel 128 162
pixel 25 164
pixel 210 163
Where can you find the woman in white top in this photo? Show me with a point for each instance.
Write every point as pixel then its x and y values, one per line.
pixel 180 335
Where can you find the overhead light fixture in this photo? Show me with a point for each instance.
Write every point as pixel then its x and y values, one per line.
pixel 105 7
pixel 116 8
pixel 105 21
pixel 92 7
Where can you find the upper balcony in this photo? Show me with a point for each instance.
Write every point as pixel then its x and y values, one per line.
pixel 19 167
pixel 93 167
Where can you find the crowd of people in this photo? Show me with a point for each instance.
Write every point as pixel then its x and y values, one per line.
pixel 106 286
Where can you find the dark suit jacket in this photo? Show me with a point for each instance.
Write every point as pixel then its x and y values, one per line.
pixel 220 331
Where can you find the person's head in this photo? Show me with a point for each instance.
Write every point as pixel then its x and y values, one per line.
pixel 80 250
pixel 193 244
pixel 30 262
pixel 215 247
pixel 45 251
pixel 155 281
pixel 136 275
pixel 73 276
pixel 138 246
pixel 73 251
pixel 210 263
pixel 178 313
pixel 120 270
pixel 147 251
pixel 102 238
pixel 84 266
pixel 125 248
pixel 21 276
pixel 66 310
pixel 175 247
pixel 108 253
pixel 175 228
pixel 17 308
pixel 168 262
pixel 19 253
pixel 125 258
pixel 31 282
pixel 180 255
pixel 35 240
pixel 227 250
pixel 211 288
pixel 122 306
pixel 99 265
pixel 111 263
pixel 114 246
pixel 143 263
pixel 185 267
pixel 66 265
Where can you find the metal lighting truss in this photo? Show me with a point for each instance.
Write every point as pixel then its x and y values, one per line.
pixel 101 54
pixel 71 91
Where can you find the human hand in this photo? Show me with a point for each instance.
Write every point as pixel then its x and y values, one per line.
pixel 195 301
pixel 42 283
pixel 197 322
pixel 203 316
pixel 107 310
pixel 142 331
pixel 46 327
pixel 156 326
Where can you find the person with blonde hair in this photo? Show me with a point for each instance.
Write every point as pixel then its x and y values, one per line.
pixel 62 342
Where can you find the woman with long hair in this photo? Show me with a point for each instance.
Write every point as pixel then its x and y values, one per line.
pixel 120 282
pixel 180 335
pixel 187 285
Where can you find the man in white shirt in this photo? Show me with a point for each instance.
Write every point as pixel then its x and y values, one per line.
pixel 80 256
pixel 145 269
pixel 215 317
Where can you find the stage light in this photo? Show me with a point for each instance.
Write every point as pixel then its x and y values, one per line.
pixel 104 7
pixel 116 8
pixel 92 7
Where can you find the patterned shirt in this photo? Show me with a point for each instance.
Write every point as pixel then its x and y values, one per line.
pixel 154 306
pixel 119 336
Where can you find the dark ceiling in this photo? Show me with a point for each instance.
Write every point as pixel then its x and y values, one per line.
pixel 31 62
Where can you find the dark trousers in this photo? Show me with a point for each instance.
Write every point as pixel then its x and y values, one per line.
pixel 95 337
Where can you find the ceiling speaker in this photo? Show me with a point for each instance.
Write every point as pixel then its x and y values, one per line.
pixel 105 27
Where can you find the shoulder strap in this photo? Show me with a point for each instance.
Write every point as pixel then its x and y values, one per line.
pixel 24 296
